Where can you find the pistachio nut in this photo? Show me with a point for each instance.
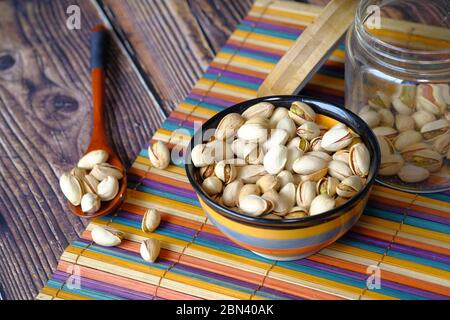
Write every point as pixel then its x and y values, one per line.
pixel 285 177
pixel 430 99
pixel 412 174
pixel 220 150
pixel 386 118
pixel 339 169
pixel 202 156
pixel 250 173
pixel 248 189
pixel 308 165
pixel 272 216
pixel 341 155
pixel 408 151
pixel 78 173
pixel 264 122
pixel 278 114
pixel 434 129
pixel 231 192
pixel 150 220
pixel 428 159
pixel 316 144
pixel 364 109
pixel 320 154
pixel 296 212
pixel 301 112
pixel 150 249
pixel 212 185
pixel 239 147
pixel 349 187
pixel 403 99
pixel 71 188
pixel 90 203
pixel 407 138
pixel 275 159
pixel 391 164
pixel 387 132
pixel 336 139
pixel 277 204
pixel 288 196
pixel 261 109
pixel 371 118
pixel 159 155
pixel 106 236
pixel 228 126
pixel 386 147
pixel 277 137
pixel 299 143
pixel 339 125
pixel 268 182
pixel 103 170
pixel 90 159
pixel 422 117
pixel 442 143
pixel 89 183
pixel 327 185
pixel 253 205
pixel 404 122
pixel 253 132
pixel 225 172
pixel 207 171
pixel 315 176
pixel 308 130
pixel 305 193
pixel 288 125
pixel 359 160
pixel 379 101
pixel 292 155
pixel 108 188
pixel 321 203
pixel 253 154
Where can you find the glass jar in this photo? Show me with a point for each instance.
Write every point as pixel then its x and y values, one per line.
pixel 397 74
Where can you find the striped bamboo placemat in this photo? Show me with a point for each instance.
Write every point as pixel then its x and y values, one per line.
pixel 406 236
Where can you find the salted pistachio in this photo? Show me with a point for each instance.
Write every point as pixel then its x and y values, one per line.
pixel 288 125
pixel 90 159
pixel 207 171
pixel 71 188
pixel 258 120
pixel 349 187
pixel 386 118
pixel 321 203
pixel 248 189
pixel 277 137
pixel 379 101
pixel 239 147
pixel 250 173
pixel 89 183
pixel 308 164
pixel 292 155
pixel 434 129
pixel 159 155
pixel 404 122
pixel 336 139
pixel 391 164
pixel 300 112
pixel 305 193
pixel 150 249
pixel 108 188
pixel 316 144
pixel 103 170
pixel 106 236
pixel 359 160
pixel 78 172
pixel 408 151
pixel 327 185
pixel 429 98
pixel 90 203
pixel 320 154
pixel 297 212
pixel 407 138
pixel 253 154
pixel 212 185
pixel 428 159
pixel 403 99
pixel 150 220
pixel 371 118
pixel 271 216
pixel 253 205
pixel 231 192
pixel 442 143
pixel 412 174
pixel 253 132
pixel 299 143
pixel 285 177
pixel 308 130
pixel 277 204
pixel 228 126
pixel 261 109
pixel 225 172
pixel 220 150
pixel 341 155
pixel 288 196
pixel 386 147
pixel 202 156
pixel 278 114
pixel 275 159
pixel 388 132
pixel 315 176
pixel 422 117
pixel 339 169
pixel 268 182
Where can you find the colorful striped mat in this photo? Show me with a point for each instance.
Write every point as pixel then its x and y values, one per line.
pixel 406 236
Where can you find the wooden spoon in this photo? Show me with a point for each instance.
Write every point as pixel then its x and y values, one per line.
pixel 98 137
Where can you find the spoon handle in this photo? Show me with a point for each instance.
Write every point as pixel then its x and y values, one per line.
pixel 98 42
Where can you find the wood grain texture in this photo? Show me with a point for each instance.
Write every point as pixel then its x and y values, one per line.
pixel 45 121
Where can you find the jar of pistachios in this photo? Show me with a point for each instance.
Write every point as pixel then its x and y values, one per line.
pixel 397 74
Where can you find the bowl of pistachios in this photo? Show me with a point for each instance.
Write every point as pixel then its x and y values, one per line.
pixel 283 176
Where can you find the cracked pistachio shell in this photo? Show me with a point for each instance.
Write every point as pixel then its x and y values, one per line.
pixel 108 188
pixel 207 171
pixel 231 192
pixel 78 172
pixel 253 132
pixel 315 176
pixel 102 170
pixel 253 205
pixel 150 249
pixel 339 169
pixel 278 114
pixel 71 188
pixel 212 185
pixel 277 137
pixel 404 123
pixel 327 185
pixel 150 220
pixel 320 204
pixel 228 126
pixel 308 164
pixel 285 177
pixel 386 118
pixel 408 151
pixel 250 173
pixel 89 183
pixel 288 125
pixel 429 98
pixel 276 205
pixel 359 160
pixel 371 117
pixel 90 159
pixel 268 182
pixel 388 132
pixel 275 159
pixel 300 112
pixel 403 99
pixel 386 146
pixel 308 130
pixel 349 187
pixel 296 212
pixel 258 120
pixel 299 143
pixel 292 155
pixel 202 156
pixel 287 195
pixel 90 203
pixel 422 117
pixel 305 193
pixel 220 150
pixel 253 154
pixel 320 154
pixel 239 147
pixel 336 139
pixel 159 155
pixel 261 109
pixel 341 155
pixel 442 143
pixel 407 138
pixel 412 174
pixel 225 172
pixel 248 189
pixel 390 165
pixel 428 159
pixel 379 101
pixel 106 236
pixel 434 129
pixel 316 144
